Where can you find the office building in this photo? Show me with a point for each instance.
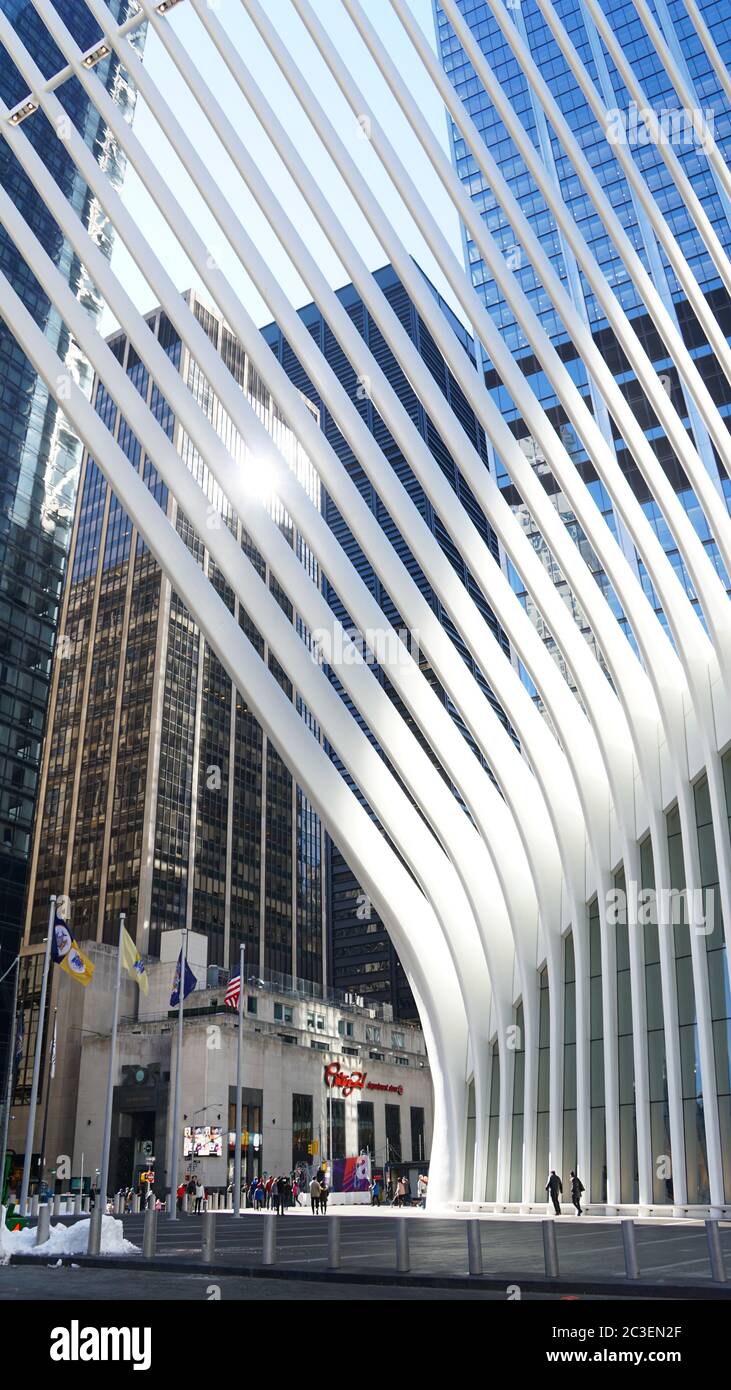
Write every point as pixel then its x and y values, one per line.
pixel 40 455
pixel 160 795
pixel 322 1079
pixel 710 101
pixel 363 959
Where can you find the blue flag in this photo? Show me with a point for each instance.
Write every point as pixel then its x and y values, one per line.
pixel 188 985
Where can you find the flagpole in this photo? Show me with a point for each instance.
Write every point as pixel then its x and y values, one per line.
pixel 30 1132
pixel 109 1103
pixel 51 1072
pixel 239 1079
pixel 178 1068
pixel 11 1072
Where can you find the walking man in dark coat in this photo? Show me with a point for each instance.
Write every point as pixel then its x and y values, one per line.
pixel 577 1187
pixel 553 1187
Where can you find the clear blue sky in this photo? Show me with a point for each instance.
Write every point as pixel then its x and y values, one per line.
pixel 355 55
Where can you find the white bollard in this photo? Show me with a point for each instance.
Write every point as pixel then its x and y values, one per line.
pixel 57 1204
pixel 474 1247
pixel 403 1259
pixel 631 1262
pixel 550 1249
pixel 333 1243
pixel 149 1234
pixel 715 1252
pixel 94 1243
pixel 269 1252
pixel 43 1229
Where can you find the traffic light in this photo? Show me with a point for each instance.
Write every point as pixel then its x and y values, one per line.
pixel 313 1147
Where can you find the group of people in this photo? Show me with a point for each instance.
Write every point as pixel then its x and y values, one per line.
pixel 274 1193
pixel 554 1188
pixel 191 1194
pixel 401 1195
pixel 319 1193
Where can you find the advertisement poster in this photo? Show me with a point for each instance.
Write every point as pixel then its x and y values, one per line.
pixel 205 1141
pixel 351 1174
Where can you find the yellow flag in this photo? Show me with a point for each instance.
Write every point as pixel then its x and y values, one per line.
pixel 133 962
pixel 77 965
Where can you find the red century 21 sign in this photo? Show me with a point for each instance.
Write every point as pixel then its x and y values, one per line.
pixel 356 1081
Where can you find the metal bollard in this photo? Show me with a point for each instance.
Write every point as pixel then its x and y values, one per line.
pixel 474 1247
pixel 550 1249
pixel 715 1251
pixel 333 1243
pixel 631 1262
pixel 77 1204
pixel 403 1262
pixel 269 1251
pixel 57 1204
pixel 149 1234
pixel 208 1239
pixel 34 1205
pixel 43 1229
pixel 94 1244
pixel 136 1203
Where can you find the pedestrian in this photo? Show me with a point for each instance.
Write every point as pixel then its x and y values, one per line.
pixel 180 1196
pixel 200 1193
pixel 295 1193
pixel 407 1191
pixel 324 1194
pixel 421 1187
pixel 315 1196
pixel 191 1193
pixel 260 1196
pixel 553 1187
pixel 389 1192
pixel 284 1195
pixel 577 1187
pixel 268 1188
pixel 375 1193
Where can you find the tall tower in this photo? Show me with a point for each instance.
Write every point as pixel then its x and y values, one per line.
pixel 710 102
pixel 161 796
pixel 363 960
pixel 40 456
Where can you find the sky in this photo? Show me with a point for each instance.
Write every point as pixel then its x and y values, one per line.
pixel 244 36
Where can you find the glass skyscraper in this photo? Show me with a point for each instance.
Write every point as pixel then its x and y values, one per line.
pixel 40 456
pixel 161 795
pixel 363 959
pixel 680 35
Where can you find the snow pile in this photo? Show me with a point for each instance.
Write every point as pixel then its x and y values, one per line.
pixel 64 1240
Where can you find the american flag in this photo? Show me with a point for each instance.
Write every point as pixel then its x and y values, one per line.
pixel 233 991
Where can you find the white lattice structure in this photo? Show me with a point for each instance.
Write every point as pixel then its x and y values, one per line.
pixel 477 904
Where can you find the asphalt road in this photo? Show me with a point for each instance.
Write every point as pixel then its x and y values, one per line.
pixel 587 1248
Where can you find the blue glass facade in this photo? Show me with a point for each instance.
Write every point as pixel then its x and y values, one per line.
pixel 39 456
pixel 363 961
pixel 672 18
